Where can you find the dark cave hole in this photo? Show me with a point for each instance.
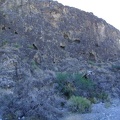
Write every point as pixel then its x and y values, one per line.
pixel 63 47
pixel 35 47
pixel 77 40
pixel 91 56
pixel 3 28
pixel 66 36
pixel 62 104
pixel 54 62
pixel 97 45
pixel 16 32
pixel 4 15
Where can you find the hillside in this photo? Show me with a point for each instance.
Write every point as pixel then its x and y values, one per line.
pixel 41 38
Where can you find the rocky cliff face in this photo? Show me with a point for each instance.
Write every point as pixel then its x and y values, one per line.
pixel 59 32
pixel 41 37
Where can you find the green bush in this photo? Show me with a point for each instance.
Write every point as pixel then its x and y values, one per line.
pixel 83 83
pixel 61 77
pixel 79 104
pixel 102 96
pixel 66 86
pixel 4 43
pixel 34 64
pixel 70 84
pixel 9 116
pixel 116 67
pixel 16 45
pixel 74 84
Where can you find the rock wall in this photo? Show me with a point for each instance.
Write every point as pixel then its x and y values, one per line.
pixel 59 31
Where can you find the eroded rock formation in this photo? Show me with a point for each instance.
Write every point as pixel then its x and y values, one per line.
pixel 41 37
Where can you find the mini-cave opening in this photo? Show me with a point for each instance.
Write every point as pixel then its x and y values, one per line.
pixel 16 32
pixel 77 40
pixel 35 47
pixel 66 36
pixel 63 47
pixel 97 45
pixel 92 56
pixel 3 28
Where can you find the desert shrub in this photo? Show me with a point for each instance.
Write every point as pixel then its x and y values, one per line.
pixel 34 64
pixel 91 62
pixel 61 77
pixel 65 84
pixel 79 104
pixel 107 104
pixel 74 84
pixel 83 83
pixel 102 96
pixel 116 67
pixel 36 118
pixel 5 42
pixel 16 45
pixel 77 85
pixel 9 116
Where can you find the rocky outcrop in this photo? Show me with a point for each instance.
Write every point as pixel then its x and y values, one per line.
pixel 39 38
pixel 59 31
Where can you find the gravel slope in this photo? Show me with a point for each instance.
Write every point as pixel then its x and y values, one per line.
pixel 100 112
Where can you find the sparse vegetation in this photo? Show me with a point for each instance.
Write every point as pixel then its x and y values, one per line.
pixel 102 96
pixel 91 62
pixel 107 104
pixel 79 104
pixel 39 38
pixel 77 85
pixel 34 65
pixel 83 83
pixel 30 46
pixel 80 91
pixel 4 43
pixel 9 116
pixel 65 83
pixel 16 45
pixel 116 67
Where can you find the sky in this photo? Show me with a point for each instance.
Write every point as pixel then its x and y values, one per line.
pixel 105 9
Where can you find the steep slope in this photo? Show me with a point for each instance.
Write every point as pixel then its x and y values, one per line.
pixel 39 38
pixel 60 32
